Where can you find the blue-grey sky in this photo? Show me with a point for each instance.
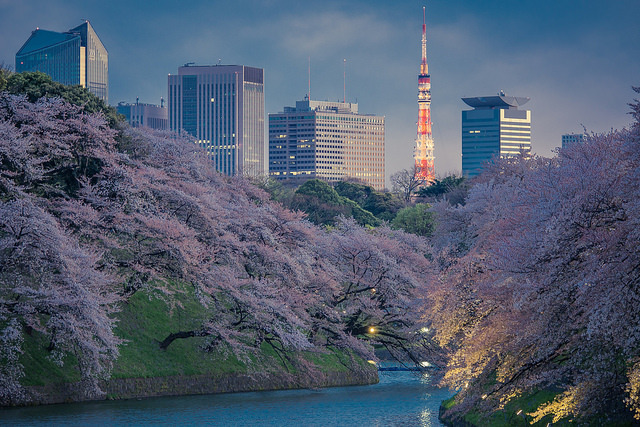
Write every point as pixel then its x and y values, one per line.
pixel 576 60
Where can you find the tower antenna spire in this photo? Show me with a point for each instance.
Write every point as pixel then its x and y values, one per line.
pixel 309 93
pixel 424 68
pixel 344 84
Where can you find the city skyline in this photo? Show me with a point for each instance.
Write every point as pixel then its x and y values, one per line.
pixel 577 64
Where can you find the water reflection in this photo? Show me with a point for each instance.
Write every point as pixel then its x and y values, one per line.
pixel 400 399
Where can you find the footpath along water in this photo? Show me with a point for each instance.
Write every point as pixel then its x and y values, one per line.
pixel 400 399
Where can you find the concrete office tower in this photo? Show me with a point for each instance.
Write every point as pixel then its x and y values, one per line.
pixel 75 57
pixel 326 140
pixel 222 108
pixel 423 155
pixel 494 128
pixel 145 115
pixel 572 138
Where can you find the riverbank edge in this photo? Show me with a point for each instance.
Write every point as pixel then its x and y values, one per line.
pixel 133 388
pixel 450 421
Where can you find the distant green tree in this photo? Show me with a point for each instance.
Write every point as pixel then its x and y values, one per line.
pixel 321 190
pixel 36 85
pixel 416 219
pixel 382 205
pixel 359 193
pixel 323 205
pixel 4 75
pixel 453 187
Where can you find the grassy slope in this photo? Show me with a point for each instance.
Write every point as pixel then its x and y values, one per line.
pixel 145 320
pixel 509 416
pixel 148 318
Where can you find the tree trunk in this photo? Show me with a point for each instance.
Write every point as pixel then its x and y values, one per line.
pixel 182 334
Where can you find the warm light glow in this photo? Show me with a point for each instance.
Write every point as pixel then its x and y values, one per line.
pixel 424 330
pixel 519 412
pixel 372 330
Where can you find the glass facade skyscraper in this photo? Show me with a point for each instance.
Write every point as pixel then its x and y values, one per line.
pixel 326 140
pixel 222 108
pixel 75 57
pixel 494 128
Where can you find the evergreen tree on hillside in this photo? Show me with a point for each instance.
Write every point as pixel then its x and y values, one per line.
pixel 417 219
pixel 323 205
pixel 382 205
pixel 36 85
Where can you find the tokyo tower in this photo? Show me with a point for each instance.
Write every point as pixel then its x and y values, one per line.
pixel 423 150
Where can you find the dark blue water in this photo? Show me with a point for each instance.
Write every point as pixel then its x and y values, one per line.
pixel 400 399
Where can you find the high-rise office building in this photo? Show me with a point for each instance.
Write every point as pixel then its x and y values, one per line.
pixel 494 128
pixel 222 108
pixel 75 57
pixel 145 115
pixel 572 138
pixel 423 151
pixel 326 140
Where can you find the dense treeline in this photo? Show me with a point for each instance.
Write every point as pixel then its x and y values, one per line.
pixel 93 213
pixel 529 279
pixel 540 285
pixel 324 204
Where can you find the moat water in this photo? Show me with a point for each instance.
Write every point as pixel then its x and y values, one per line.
pixel 400 399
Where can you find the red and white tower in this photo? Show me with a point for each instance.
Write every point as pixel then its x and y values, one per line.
pixel 423 150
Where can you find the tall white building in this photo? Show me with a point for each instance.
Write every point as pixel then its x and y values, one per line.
pixel 326 140
pixel 222 108
pixel 494 128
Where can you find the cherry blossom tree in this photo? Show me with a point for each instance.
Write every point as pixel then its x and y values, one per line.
pixel 540 281
pixel 52 287
pixel 91 215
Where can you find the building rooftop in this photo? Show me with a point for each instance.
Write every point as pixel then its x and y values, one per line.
pixel 41 39
pixel 497 101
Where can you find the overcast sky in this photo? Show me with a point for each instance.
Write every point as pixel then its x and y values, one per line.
pixel 576 60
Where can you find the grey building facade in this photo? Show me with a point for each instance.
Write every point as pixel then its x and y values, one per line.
pixel 222 108
pixel 145 115
pixel 326 140
pixel 494 128
pixel 75 57
pixel 572 138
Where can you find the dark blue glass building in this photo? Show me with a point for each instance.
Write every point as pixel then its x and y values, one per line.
pixel 75 57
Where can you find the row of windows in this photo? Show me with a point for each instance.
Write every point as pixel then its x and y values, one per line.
pixel 326 118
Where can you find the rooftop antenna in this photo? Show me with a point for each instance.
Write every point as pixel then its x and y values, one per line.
pixel 424 68
pixel 309 93
pixel 161 102
pixel 344 81
pixel 219 61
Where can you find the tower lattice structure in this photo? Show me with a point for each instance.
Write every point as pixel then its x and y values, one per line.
pixel 423 150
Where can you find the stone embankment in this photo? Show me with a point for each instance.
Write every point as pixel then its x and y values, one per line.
pixel 130 388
